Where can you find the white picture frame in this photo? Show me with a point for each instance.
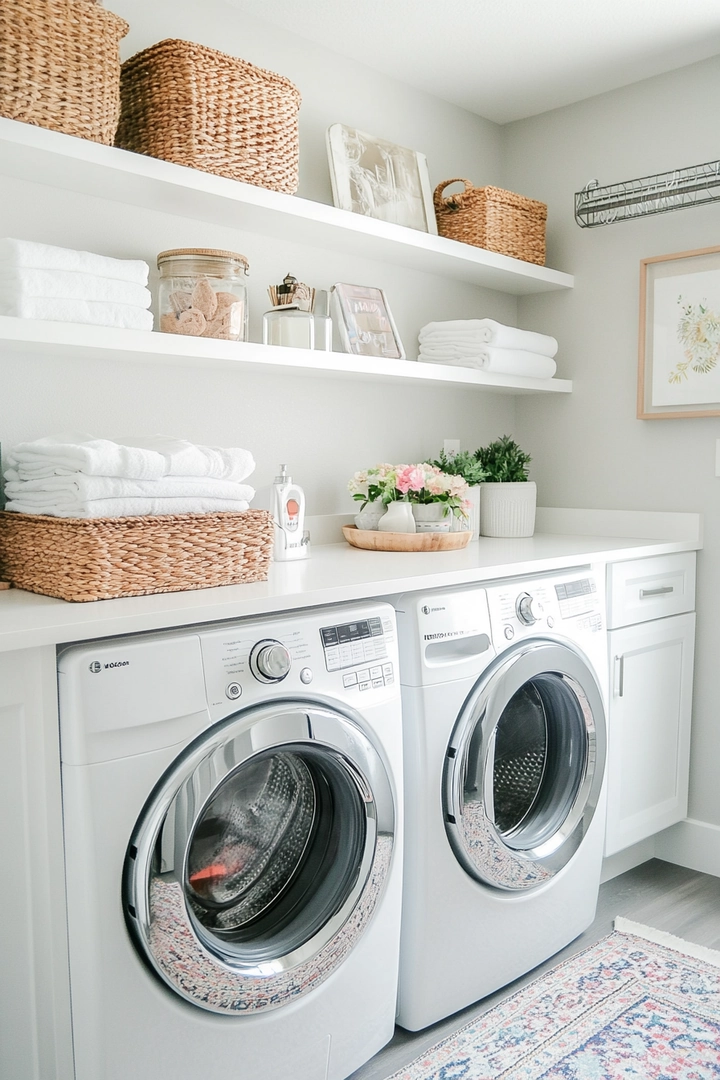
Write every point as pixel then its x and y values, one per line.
pixel 364 321
pixel 379 179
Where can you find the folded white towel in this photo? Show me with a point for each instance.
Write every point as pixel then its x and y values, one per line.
pixel 77 488
pixel 21 284
pixel 97 508
pixel 132 458
pixel 92 313
pixel 501 362
pixel 26 253
pixel 490 332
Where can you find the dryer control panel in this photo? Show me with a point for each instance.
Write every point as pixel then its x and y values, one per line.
pixel 565 603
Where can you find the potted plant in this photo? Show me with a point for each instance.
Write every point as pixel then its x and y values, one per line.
pixel 473 472
pixel 419 496
pixel 508 499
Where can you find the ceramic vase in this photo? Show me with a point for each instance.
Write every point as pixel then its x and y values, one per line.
pixel 432 517
pixel 508 509
pixel 399 518
pixel 370 515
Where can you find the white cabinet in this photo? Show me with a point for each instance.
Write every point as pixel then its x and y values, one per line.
pixel 651 642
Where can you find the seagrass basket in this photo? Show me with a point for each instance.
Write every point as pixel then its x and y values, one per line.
pixel 60 66
pixel 494 219
pixel 101 558
pixel 202 108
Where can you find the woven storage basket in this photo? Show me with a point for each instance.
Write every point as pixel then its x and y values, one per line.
pixel 494 219
pixel 97 559
pixel 60 66
pixel 199 107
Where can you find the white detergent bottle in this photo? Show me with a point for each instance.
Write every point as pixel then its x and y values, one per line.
pixel 288 510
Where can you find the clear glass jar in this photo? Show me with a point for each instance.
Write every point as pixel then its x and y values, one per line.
pixel 202 292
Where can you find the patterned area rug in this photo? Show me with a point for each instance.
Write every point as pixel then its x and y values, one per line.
pixel 638 1005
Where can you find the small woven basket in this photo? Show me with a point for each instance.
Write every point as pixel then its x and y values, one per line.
pixel 494 219
pixel 60 66
pixel 202 108
pixel 101 558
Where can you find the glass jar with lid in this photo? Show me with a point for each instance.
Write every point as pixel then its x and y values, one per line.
pixel 202 292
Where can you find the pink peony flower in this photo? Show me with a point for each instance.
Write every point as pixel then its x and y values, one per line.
pixel 411 478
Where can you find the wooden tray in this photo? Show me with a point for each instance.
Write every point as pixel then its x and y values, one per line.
pixel 372 540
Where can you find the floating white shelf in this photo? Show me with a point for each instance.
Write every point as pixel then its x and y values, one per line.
pixel 73 341
pixel 37 154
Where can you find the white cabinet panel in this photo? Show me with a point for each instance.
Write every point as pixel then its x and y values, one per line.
pixel 643 589
pixel 651 668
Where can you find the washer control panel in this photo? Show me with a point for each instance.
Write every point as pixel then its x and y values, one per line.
pixel 361 647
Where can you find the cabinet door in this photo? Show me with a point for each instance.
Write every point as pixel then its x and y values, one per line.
pixel 648 728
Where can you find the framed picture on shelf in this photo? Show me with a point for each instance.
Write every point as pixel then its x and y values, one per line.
pixel 364 322
pixel 679 352
pixel 376 178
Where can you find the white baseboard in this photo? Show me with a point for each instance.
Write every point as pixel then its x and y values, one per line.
pixel 617 864
pixel 691 843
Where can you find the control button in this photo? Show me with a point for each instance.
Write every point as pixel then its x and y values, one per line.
pixel 389 679
pixel 387 669
pixel 376 672
pixel 509 632
pixel 233 690
pixel 377 683
pixel 364 675
pixel 306 675
pixel 528 609
pixel 365 685
pixel 550 621
pixel 269 661
pixel 350 679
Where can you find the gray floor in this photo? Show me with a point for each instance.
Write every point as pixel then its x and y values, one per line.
pixel 657 894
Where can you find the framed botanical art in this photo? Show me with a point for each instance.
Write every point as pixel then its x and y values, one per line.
pixel 379 179
pixel 364 322
pixel 679 355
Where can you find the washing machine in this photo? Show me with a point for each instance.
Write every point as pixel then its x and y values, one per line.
pixel 231 805
pixel 504 754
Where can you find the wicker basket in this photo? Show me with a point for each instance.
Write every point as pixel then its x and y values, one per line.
pixel 199 107
pixel 101 558
pixel 60 66
pixel 493 219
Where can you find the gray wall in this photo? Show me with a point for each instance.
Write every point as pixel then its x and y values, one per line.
pixel 593 452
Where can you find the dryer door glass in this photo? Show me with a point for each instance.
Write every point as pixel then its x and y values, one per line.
pixel 260 857
pixel 525 765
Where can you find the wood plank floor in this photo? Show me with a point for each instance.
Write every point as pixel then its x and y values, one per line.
pixel 658 894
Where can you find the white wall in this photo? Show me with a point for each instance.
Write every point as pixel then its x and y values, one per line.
pixel 323 428
pixel 592 451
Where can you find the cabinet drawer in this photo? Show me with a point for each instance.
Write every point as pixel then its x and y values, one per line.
pixel 644 589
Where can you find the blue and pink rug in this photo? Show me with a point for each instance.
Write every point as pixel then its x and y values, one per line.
pixel 638 1005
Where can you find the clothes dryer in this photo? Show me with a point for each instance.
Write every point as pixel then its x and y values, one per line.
pixel 231 802
pixel 504 755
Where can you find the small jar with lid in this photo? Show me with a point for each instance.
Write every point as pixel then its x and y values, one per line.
pixel 202 292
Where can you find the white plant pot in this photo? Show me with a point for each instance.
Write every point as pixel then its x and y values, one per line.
pixel 432 517
pixel 508 509
pixel 370 515
pixel 399 518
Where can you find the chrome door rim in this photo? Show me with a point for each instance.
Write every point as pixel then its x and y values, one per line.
pixel 478 844
pixel 163 928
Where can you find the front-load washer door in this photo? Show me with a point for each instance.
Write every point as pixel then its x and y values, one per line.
pixel 260 856
pixel 524 767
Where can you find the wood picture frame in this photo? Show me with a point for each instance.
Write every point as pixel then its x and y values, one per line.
pixel 679 336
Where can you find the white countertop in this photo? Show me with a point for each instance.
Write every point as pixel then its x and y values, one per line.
pixel 337 572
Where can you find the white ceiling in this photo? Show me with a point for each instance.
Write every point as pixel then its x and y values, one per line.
pixel 507 59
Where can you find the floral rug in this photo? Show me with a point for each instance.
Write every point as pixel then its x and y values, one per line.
pixel 638 1005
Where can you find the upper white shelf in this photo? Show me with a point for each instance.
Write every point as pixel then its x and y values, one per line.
pixel 73 341
pixel 37 154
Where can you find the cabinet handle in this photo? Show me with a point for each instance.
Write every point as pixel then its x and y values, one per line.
pixel 618 676
pixel 656 592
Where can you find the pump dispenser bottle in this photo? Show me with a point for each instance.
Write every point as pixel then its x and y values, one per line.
pixel 288 510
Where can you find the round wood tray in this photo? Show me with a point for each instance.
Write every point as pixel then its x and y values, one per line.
pixel 373 540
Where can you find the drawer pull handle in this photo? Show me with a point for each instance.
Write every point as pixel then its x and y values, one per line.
pixel 661 591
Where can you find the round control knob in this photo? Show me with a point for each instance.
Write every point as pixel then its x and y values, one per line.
pixel 528 609
pixel 270 661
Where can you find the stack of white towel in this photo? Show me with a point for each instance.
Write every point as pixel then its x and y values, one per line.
pixel 489 346
pixel 39 281
pixel 78 477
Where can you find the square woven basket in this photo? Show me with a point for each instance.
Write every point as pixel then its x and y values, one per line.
pixel 60 66
pixel 98 559
pixel 202 108
pixel 494 219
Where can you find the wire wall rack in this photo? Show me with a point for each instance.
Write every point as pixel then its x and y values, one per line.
pixel 656 194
